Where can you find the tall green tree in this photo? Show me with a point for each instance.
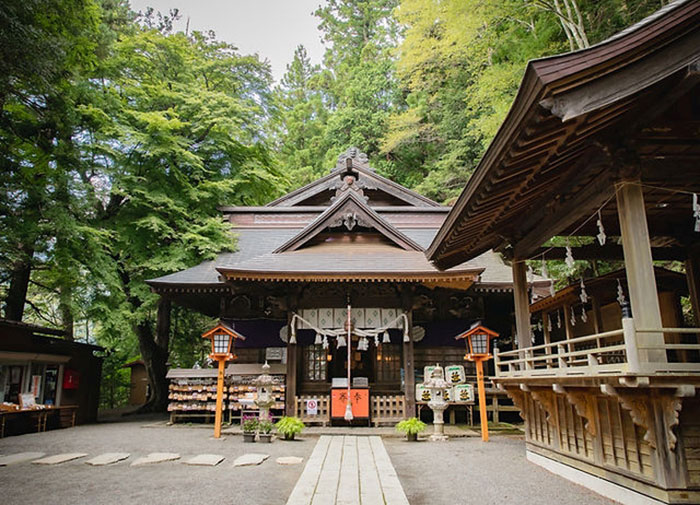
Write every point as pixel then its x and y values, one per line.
pixel 299 121
pixel 179 135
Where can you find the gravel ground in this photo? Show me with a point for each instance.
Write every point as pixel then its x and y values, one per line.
pixel 460 471
pixel 468 471
pixel 170 483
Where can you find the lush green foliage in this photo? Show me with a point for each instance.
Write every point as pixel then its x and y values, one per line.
pixel 410 426
pixel 250 424
pixel 120 138
pixel 289 426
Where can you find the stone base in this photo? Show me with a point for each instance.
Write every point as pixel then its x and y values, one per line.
pixel 438 438
pixel 615 492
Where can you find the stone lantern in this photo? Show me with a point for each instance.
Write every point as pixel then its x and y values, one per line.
pixel 264 384
pixel 437 385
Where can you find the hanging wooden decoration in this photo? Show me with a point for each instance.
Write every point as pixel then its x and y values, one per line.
pixel 601 231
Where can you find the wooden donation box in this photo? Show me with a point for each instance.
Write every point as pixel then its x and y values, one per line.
pixel 359 400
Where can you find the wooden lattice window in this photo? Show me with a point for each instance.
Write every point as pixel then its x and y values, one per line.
pixel 315 364
pixel 389 363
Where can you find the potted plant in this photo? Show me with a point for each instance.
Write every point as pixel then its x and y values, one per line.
pixel 250 426
pixel 289 426
pixel 265 427
pixel 411 427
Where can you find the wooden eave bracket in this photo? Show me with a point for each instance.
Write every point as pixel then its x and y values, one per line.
pixel 547 400
pixel 518 398
pixel 583 403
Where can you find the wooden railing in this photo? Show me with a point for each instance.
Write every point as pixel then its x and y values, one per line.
pixel 388 409
pixel 607 353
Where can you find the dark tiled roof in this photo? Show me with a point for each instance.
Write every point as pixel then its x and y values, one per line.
pixel 256 243
pixel 327 259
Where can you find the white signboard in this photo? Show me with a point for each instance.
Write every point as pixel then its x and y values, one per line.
pixel 312 407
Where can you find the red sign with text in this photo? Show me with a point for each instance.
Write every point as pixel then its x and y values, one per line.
pixel 359 403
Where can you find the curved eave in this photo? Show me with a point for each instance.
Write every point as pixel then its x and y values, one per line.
pixel 249 275
pixel 169 287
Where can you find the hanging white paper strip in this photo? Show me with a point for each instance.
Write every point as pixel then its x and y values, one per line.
pixel 601 231
pixel 620 293
pixel 583 296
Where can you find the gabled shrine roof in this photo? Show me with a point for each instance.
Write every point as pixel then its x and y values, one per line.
pixel 389 227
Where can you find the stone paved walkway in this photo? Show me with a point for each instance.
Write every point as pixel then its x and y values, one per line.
pixel 333 475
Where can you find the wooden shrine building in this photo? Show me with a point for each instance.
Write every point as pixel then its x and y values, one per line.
pixel 602 144
pixel 351 237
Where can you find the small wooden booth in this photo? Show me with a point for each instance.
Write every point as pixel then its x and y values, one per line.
pixel 45 381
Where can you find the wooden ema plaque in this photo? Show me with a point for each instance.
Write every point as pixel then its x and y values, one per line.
pixel 359 403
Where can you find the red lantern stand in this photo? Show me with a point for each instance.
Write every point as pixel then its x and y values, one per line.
pixel 222 346
pixel 478 341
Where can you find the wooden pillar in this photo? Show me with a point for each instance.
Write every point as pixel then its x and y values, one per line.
pixel 290 397
pixel 692 274
pixel 522 303
pixel 597 316
pixel 409 369
pixel 640 267
pixel 547 335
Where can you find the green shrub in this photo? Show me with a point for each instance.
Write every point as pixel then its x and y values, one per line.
pixel 265 427
pixel 410 426
pixel 250 424
pixel 289 426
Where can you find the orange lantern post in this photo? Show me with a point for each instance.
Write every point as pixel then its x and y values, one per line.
pixel 222 350
pixel 478 342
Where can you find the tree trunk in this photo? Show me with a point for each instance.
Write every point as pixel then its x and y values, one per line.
pixel 66 309
pixel 17 293
pixel 154 351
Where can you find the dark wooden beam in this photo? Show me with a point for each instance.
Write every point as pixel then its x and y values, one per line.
pixel 546 222
pixel 609 252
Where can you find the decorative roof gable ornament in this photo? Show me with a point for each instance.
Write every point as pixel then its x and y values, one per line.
pixel 353 156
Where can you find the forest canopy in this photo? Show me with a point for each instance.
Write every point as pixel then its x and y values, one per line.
pixel 120 136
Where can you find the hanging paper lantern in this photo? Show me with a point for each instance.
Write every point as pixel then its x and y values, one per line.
pixel 318 340
pixel 385 338
pixel 601 231
pixel 341 342
pixel 583 296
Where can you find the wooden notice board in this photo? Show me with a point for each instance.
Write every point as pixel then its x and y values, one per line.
pixel 359 402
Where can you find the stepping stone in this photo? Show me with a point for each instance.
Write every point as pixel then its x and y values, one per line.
pixel 107 458
pixel 250 459
pixel 289 460
pixel 156 457
pixel 59 458
pixel 205 460
pixel 21 457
